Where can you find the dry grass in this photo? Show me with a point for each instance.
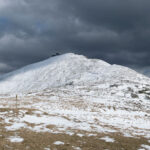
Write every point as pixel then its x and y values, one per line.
pixel 39 141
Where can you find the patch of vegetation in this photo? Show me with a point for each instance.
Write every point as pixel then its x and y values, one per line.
pixel 144 91
pixel 133 95
pixel 114 85
pixel 70 83
pixel 39 141
pixel 130 89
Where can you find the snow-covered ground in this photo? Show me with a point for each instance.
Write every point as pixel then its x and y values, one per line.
pixel 65 70
pixel 78 108
pixel 74 95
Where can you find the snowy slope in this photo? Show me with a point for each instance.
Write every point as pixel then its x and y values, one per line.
pixel 65 70
pixel 73 95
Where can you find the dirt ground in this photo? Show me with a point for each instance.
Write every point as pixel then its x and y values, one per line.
pixel 45 141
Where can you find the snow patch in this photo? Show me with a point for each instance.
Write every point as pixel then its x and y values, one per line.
pixel 76 148
pixel 15 139
pixel 59 143
pixel 15 126
pixel 80 135
pixel 147 147
pixel 47 149
pixel 107 139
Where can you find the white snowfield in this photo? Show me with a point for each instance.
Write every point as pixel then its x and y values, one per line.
pixel 65 69
pixel 73 93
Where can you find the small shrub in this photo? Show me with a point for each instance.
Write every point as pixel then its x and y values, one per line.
pixel 144 91
pixel 114 108
pixel 130 90
pixel 70 83
pixel 114 85
pixel 133 95
pixel 141 92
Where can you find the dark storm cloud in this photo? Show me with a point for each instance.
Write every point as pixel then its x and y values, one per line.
pixel 113 30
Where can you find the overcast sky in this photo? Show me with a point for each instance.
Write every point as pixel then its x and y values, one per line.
pixel 113 30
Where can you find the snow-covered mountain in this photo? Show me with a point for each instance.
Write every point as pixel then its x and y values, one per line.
pixel 67 69
pixel 76 96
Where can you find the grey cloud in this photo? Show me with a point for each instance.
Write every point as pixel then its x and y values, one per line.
pixel 116 31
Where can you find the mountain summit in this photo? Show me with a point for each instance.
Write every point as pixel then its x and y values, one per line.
pixel 62 70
